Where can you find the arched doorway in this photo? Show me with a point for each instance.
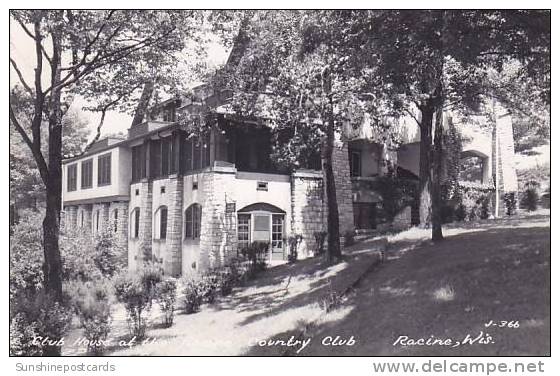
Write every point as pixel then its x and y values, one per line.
pixel 262 222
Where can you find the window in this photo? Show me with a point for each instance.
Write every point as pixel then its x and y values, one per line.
pixel 161 223
pixel 138 162
pixel 96 222
pixel 87 173
pixel 193 216
pixel 72 177
pixel 135 223
pixel 115 220
pixel 262 186
pixel 197 153
pixel 261 231
pixel 169 114
pixel 277 230
pixel 243 230
pixel 160 155
pixel 104 169
pixel 355 163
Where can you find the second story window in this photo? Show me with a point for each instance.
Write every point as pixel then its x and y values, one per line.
pixel 104 169
pixel 72 177
pixel 138 162
pixel 87 173
pixel 355 163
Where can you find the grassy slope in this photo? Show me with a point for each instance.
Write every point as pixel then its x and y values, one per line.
pixel 483 272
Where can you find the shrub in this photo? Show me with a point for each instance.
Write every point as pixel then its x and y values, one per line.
pixel 293 243
pixel 510 201
pixel 349 238
pixel 396 193
pixel 226 281
pixel 150 275
pixel 109 254
pixel 26 255
pixel 530 196
pixel 239 270
pixel 166 295
pixel 37 316
pixel 471 201
pixel 320 237
pixel 193 296
pixel 137 299
pixel 256 253
pixel 92 304
pixel 208 285
pixel 460 212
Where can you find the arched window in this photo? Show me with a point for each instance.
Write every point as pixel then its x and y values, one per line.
pixel 193 216
pixel 161 223
pixel 95 224
pixel 135 223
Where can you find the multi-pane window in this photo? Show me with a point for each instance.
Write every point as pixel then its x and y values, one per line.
pixel 104 169
pixel 277 230
pixel 196 153
pixel 138 162
pixel 87 173
pixel 72 177
pixel 160 157
pixel 193 216
pixel 243 230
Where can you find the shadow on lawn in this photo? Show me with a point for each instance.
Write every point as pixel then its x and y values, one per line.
pixel 450 290
pixel 306 282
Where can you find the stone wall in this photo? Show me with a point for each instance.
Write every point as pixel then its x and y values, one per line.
pixel 218 230
pixel 144 250
pixel 343 183
pixel 121 207
pixel 172 256
pixel 86 210
pixel 308 209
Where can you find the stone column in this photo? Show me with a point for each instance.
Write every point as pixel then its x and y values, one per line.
pixel 145 227
pixel 343 183
pixel 172 256
pixel 218 241
pixel 309 214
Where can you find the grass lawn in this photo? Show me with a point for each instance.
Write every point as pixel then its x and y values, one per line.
pixel 491 270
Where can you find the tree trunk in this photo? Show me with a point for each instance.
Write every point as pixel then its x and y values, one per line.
pixel 53 184
pixel 143 103
pixel 333 236
pixel 425 184
pixel 436 178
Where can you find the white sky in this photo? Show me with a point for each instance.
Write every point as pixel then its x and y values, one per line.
pixel 22 50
